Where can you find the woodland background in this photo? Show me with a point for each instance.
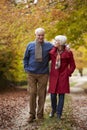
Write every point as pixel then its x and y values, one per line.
pixel 18 20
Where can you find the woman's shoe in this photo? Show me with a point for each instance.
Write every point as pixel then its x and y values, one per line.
pixel 58 117
pixel 52 114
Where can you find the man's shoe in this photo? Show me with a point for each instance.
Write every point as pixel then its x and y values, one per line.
pixel 31 119
pixel 52 114
pixel 40 117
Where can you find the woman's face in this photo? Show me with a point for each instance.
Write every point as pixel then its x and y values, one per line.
pixel 57 43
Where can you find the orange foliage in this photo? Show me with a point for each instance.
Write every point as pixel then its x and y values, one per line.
pixel 58 14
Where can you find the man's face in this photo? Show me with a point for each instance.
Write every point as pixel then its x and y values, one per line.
pixel 40 37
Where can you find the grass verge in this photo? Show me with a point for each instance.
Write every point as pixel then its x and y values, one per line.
pixel 67 121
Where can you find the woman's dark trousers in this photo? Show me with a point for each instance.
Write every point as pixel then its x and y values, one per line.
pixel 57 103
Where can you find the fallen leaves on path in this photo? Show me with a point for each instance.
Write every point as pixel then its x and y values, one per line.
pixel 79 105
pixel 14 111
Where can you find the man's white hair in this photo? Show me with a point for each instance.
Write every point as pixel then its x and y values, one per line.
pixel 61 38
pixel 38 30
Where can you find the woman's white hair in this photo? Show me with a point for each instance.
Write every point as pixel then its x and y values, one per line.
pixel 38 30
pixel 61 38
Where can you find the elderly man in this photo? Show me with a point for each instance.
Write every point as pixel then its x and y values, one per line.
pixel 36 64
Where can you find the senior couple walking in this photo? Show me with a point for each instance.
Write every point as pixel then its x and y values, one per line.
pixel 36 63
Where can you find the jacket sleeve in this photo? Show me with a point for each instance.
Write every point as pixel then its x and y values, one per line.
pixel 26 59
pixel 72 65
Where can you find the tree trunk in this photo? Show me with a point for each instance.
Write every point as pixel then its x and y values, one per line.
pixel 81 71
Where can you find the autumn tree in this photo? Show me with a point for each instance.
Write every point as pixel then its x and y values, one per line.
pixel 19 22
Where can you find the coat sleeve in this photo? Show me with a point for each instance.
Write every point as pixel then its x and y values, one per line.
pixel 52 51
pixel 72 65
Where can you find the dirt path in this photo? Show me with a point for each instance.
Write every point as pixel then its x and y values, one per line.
pixel 79 103
pixel 14 110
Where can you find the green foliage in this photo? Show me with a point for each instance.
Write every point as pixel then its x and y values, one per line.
pixel 80 56
pixel 73 26
pixel 13 36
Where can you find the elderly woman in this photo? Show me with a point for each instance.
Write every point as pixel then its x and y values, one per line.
pixel 62 66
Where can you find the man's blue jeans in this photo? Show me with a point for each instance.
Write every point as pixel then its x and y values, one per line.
pixel 57 104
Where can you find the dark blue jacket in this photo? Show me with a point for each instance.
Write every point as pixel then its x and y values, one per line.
pixel 31 65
